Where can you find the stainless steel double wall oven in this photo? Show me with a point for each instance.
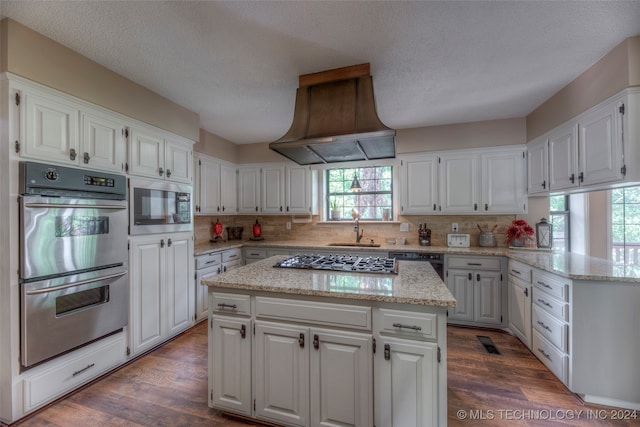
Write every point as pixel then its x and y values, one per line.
pixel 73 258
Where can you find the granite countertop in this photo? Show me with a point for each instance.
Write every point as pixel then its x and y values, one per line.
pixel 415 283
pixel 565 264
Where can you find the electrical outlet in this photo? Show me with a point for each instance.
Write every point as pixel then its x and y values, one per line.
pixel 404 227
pixel 454 227
pixel 288 225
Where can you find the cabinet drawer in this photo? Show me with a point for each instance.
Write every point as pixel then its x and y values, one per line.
pixel 406 324
pixel 554 359
pixel 314 312
pixel 231 303
pixel 520 270
pixel 554 285
pixel 232 255
pixel 551 328
pixel 481 263
pixel 230 265
pixel 50 383
pixel 255 253
pixel 208 260
pixel 556 307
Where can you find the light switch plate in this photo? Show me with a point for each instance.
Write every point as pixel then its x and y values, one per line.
pixel 458 240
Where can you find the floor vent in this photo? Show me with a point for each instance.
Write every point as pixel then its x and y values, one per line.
pixel 488 344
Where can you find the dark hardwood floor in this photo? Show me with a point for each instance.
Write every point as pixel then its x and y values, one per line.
pixel 168 387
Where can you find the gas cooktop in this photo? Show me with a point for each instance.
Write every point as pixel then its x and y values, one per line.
pixel 349 263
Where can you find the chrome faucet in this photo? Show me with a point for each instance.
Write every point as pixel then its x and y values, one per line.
pixel 358 231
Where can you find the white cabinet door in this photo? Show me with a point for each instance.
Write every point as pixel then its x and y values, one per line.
pixel 228 189
pixel 459 183
pixel 460 284
pixel 273 197
pixel 230 364
pixel 146 153
pixel 49 129
pixel 249 190
pixel 179 282
pixel 103 143
pixel 520 309
pixel 538 166
pixel 563 158
pixel 341 379
pixel 503 181
pixel 487 297
pixel 282 373
pixel 298 190
pixel 406 376
pixel 419 184
pixel 600 145
pixel 209 185
pixel 178 161
pixel 147 277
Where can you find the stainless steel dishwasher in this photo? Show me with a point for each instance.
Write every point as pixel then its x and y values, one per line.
pixel 436 259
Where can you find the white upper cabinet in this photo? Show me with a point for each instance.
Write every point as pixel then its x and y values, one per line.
pixel 248 190
pixel 103 141
pixel 503 181
pixel 298 190
pixel 178 160
pixel 273 191
pixel 215 186
pixel 419 184
pixel 146 152
pixel 459 182
pixel 154 154
pixel 563 157
pixel 600 145
pixel 538 166
pixel 596 150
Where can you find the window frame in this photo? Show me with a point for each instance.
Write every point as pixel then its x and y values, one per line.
pixel 566 213
pixel 348 165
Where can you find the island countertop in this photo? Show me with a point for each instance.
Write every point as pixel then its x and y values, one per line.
pixel 415 283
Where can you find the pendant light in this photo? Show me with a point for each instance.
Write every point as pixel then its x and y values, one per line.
pixel 355 184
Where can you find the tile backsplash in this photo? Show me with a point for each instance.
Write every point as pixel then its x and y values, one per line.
pixel 274 228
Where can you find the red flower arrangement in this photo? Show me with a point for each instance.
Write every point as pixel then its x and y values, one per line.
pixel 519 230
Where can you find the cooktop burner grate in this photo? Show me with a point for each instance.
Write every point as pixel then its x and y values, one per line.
pixel 341 263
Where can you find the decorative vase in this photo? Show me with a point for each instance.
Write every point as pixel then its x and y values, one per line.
pixel 519 243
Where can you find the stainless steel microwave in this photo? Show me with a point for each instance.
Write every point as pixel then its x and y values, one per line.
pixel 159 207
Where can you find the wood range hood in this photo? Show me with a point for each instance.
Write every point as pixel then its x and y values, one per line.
pixel 335 120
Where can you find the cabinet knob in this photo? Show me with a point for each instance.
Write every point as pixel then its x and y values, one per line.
pixel 168 173
pixel 486 206
pixel 161 171
pixel 387 352
pixel 162 243
pixel 243 331
pixel 301 340
pixel 475 206
pixel 470 276
pixel 316 341
pixel 86 157
pixel 434 206
pixel 544 184
pixel 526 292
pixel 169 242
pixel 572 178
pixel 478 277
pixel 72 154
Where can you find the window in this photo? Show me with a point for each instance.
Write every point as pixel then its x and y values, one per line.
pixel 625 225
pixel 559 218
pixel 375 197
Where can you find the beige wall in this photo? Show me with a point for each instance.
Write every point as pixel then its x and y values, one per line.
pixel 618 69
pixel 218 147
pixel 597 213
pixel 462 135
pixel 38 58
pixel 257 153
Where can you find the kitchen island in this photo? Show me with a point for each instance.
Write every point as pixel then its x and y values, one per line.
pixel 303 347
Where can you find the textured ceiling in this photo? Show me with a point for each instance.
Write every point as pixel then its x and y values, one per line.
pixel 237 63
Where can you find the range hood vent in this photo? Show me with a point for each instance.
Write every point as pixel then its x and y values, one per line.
pixel 335 120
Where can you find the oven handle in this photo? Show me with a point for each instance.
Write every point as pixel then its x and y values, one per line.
pixel 71 285
pixel 54 205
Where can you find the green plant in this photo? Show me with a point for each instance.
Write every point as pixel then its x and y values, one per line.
pixel 334 205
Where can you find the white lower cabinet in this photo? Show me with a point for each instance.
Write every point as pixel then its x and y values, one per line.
pixel 230 364
pixel 161 305
pixel 520 309
pixel 406 383
pixel 315 363
pixel 476 283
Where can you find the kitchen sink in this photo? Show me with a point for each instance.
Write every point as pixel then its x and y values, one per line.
pixel 360 245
